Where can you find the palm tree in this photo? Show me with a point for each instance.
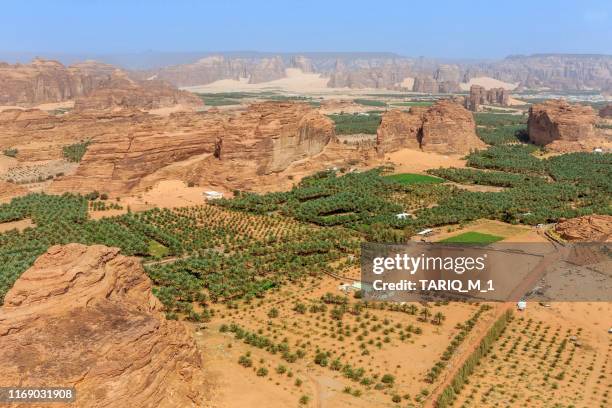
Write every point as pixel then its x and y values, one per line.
pixel 425 314
pixel 439 317
pixel 412 309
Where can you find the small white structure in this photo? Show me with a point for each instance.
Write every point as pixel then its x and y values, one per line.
pixel 212 195
pixel 425 232
pixel 346 287
pixel 521 305
pixel 403 216
pixel 598 150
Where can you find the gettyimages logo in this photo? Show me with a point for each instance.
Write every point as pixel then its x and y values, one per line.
pixel 497 272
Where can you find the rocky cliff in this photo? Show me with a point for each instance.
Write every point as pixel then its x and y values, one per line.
pixel 229 149
pixel 481 96
pixel 428 84
pixel 119 91
pixel 445 127
pixel 85 317
pixel 43 81
pixel 560 72
pixel 563 127
pixel 591 228
pixel 94 85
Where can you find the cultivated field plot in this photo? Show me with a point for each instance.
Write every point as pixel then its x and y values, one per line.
pixel 538 363
pixel 311 339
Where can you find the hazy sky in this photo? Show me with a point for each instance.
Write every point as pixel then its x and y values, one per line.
pixel 462 28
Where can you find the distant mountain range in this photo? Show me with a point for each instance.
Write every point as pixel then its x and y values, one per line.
pixel 382 70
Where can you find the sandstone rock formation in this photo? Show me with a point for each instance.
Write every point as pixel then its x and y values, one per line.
pixel 267 69
pixel 481 96
pixel 216 67
pixel 220 148
pixel 606 111
pixel 446 127
pixel 302 63
pixel 85 317
pixel 385 74
pixel 43 81
pixel 431 85
pixel 563 127
pixel 560 72
pixel 591 228
pixel 119 91
pixel 38 135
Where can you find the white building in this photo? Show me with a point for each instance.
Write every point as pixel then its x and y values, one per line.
pixel 521 305
pixel 212 195
pixel 403 216
pixel 425 232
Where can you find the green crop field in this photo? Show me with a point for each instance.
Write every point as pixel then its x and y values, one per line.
pixel 473 237
pixel 370 102
pixel 350 124
pixel 412 178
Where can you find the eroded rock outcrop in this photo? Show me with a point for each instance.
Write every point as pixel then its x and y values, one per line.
pixel 43 81
pixel 591 228
pixel 563 127
pixel 481 96
pixel 445 127
pixel 220 148
pixel 606 111
pixel 85 317
pixel 119 91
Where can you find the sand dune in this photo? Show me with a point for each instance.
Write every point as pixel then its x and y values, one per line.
pixel 488 83
pixel 296 81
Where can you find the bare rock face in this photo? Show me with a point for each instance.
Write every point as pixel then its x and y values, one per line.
pixel 264 139
pixel 119 91
pixel 303 63
pixel 481 96
pixel 85 317
pixel 425 84
pixel 399 129
pixel 43 81
pixel 606 111
pixel 446 127
pixel 449 128
pixel 563 127
pixel 268 69
pixel 591 228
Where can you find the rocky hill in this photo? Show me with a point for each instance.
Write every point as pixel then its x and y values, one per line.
pixel 590 228
pixel 119 91
pixel 445 127
pixel 94 85
pixel 553 71
pixel 44 81
pixel 85 317
pixel 563 127
pixel 606 111
pixel 480 96
pixel 229 149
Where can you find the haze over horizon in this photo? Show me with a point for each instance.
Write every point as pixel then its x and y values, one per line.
pixel 454 30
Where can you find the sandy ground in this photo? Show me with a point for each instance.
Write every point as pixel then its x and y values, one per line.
pixel 165 194
pixel 529 376
pixel 18 225
pixel 296 81
pixel 407 360
pixel 43 106
pixel 488 83
pixel 300 82
pixel 415 161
